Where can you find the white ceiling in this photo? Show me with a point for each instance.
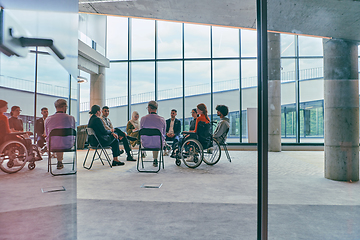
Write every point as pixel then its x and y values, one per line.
pixel 328 18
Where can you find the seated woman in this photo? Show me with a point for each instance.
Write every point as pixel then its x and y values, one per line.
pixel 193 122
pixel 5 131
pixel 133 127
pixel 106 137
pixel 202 111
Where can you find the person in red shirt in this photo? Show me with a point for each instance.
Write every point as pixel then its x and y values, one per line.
pixel 202 111
pixel 4 123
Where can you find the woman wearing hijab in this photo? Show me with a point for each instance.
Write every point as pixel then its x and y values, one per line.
pixel 133 127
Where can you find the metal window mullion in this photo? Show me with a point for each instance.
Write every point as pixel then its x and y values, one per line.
pixel 183 75
pixel 297 88
pixel 211 77
pixel 262 206
pixel 240 90
pixel 35 89
pixel 69 94
pixel 156 67
pixel 129 69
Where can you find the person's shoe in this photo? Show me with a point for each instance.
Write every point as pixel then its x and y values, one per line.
pixel 131 138
pixel 130 158
pixel 143 155
pixel 117 163
pixel 43 151
pixel 60 165
pixel 155 163
pixel 173 154
pixel 121 151
pixel 166 153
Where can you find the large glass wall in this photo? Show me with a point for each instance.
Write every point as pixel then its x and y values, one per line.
pixel 182 64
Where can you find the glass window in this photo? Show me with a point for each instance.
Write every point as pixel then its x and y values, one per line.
pixel 248 43
pixel 225 42
pixel 52 78
pixel 169 39
pixel 311 100
pixel 287 45
pixel 117 93
pixel 197 41
pixel 226 92
pixel 84 98
pixel 117 38
pixel 310 46
pixel 170 88
pixel 197 87
pixel 142 86
pixel 288 101
pixel 142 39
pixel 249 94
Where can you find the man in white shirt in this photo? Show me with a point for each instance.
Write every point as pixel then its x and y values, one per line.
pixel 122 136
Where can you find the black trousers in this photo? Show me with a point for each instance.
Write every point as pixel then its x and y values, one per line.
pixel 124 141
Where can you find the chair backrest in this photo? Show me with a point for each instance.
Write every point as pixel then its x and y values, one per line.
pixel 204 134
pixel 91 133
pixel 62 139
pixel 151 132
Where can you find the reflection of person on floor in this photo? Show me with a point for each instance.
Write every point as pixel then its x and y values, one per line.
pixel 5 130
pixel 173 128
pixel 133 127
pixel 4 123
pixel 60 120
pixel 106 137
pixel 152 120
pixel 224 123
pixel 40 129
pixel 121 135
pixel 15 123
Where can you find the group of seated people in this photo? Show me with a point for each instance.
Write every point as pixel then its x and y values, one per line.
pixel 43 127
pixel 170 129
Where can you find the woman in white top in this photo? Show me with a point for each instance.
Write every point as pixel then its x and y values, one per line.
pixel 133 127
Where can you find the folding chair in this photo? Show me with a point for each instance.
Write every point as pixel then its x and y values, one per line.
pixel 61 132
pixel 150 132
pixel 91 132
pixel 222 142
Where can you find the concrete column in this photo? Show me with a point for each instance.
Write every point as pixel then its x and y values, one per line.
pixel 97 88
pixel 274 91
pixel 341 120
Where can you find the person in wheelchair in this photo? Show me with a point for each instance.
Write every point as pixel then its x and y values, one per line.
pixel 201 131
pixel 8 135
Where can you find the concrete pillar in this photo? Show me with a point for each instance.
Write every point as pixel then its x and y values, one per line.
pixel 97 88
pixel 274 91
pixel 341 120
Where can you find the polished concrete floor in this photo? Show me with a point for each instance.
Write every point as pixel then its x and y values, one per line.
pixel 210 202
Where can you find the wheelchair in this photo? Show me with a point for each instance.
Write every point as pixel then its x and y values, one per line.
pixel 16 151
pixel 198 147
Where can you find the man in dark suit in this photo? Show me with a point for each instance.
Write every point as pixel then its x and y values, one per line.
pixel 40 130
pixel 173 128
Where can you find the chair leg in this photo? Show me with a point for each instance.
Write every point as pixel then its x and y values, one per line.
pixel 227 153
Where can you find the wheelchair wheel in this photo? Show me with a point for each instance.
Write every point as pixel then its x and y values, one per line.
pixel 13 156
pixel 191 153
pixel 212 155
pixel 177 162
pixel 31 166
